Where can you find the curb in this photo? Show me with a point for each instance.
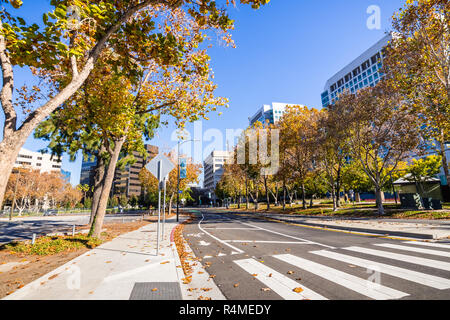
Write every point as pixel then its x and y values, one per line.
pixel 362 230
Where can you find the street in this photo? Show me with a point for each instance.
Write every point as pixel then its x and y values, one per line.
pixel 255 259
pixel 24 228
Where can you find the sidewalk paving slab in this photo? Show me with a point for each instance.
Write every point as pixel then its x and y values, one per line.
pixel 111 271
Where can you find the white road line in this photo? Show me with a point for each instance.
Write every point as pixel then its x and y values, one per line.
pixel 286 235
pixel 278 283
pixel 429 244
pixel 414 276
pixel 268 242
pixel 212 228
pixel 403 257
pixel 414 249
pixel 362 286
pixel 215 238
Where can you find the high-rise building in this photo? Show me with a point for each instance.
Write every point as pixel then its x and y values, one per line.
pixel 213 168
pixel 362 72
pixel 38 161
pixel 270 113
pixel 126 182
pixel 88 167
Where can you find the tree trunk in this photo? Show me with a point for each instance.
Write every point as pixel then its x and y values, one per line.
pixel 97 225
pixel 9 150
pixel 379 201
pixel 358 197
pixel 284 197
pixel 98 186
pixel 267 193
pixel 444 158
pixel 333 195
pixel 304 196
pixel 311 203
pixel 246 194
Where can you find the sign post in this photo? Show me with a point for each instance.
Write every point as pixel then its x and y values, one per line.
pixel 160 167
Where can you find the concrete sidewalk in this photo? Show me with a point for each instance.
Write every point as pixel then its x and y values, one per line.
pixel 125 268
pixel 423 229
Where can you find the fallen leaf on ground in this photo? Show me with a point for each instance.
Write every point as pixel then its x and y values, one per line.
pixel 206 289
pixel 53 277
pixel 165 262
pixel 298 290
pixel 290 272
pixel 200 272
pixel 108 261
pixel 255 275
pixel 270 275
pixel 265 289
pixel 155 289
pixel 298 279
pixel 236 285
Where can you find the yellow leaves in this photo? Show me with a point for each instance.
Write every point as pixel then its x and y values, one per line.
pixel 298 290
pixel 165 262
pixel 236 285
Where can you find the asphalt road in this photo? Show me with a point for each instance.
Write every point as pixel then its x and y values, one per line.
pixel 254 259
pixel 24 228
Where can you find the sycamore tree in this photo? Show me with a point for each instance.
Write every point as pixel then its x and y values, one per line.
pixel 70 40
pixel 298 129
pixel 113 110
pixel 332 143
pixel 383 133
pixel 418 63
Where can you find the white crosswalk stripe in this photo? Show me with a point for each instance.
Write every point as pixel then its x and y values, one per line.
pixel 429 244
pixel 413 276
pixel 402 257
pixel 362 286
pixel 278 283
pixel 414 249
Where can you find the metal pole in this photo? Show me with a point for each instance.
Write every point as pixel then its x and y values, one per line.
pixel 164 210
pixel 159 208
pixel 178 183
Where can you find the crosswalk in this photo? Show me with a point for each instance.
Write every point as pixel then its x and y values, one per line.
pixel 370 287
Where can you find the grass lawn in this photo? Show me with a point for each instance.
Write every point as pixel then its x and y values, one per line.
pixel 364 209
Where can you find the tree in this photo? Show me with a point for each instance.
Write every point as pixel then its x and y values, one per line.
pixel 298 135
pixel 332 143
pixel 383 133
pixel 422 170
pixel 418 64
pixel 72 43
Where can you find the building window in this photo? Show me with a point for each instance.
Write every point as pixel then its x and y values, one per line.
pixel 366 65
pixel 356 71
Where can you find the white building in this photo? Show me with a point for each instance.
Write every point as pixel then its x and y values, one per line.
pixel 37 161
pixel 362 72
pixel 213 168
pixel 270 113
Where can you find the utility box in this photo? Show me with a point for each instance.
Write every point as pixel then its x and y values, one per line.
pixel 411 201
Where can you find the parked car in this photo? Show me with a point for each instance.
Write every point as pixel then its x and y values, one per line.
pixel 50 212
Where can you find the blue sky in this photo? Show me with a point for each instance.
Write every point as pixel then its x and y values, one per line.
pixel 286 51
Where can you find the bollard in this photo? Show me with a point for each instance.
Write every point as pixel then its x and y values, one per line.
pixel 33 240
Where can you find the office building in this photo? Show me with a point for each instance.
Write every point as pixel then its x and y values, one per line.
pixel 38 161
pixel 270 114
pixel 362 72
pixel 88 167
pixel 126 182
pixel 213 168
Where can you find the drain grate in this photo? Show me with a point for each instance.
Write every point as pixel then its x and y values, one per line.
pixel 165 291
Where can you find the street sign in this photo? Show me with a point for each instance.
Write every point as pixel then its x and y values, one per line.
pixel 183 168
pixel 160 167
